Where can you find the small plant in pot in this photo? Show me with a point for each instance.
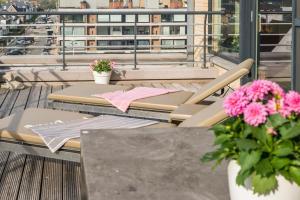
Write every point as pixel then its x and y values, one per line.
pixel 261 139
pixel 102 70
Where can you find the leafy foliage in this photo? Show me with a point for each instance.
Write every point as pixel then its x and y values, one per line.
pixel 261 155
pixel 102 66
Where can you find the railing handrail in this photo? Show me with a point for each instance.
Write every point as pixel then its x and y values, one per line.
pixel 116 11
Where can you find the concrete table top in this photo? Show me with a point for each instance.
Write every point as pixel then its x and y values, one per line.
pixel 150 164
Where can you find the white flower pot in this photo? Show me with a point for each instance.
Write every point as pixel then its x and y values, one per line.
pixel 102 78
pixel 285 190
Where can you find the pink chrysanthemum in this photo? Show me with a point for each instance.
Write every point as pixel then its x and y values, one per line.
pixel 278 106
pixel 292 99
pixel 277 91
pixel 255 114
pixel 259 89
pixel 235 103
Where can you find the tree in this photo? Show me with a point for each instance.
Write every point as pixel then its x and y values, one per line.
pixel 47 4
pixel 3 1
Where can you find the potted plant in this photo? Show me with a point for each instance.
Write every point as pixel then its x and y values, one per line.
pixel 102 70
pixel 261 139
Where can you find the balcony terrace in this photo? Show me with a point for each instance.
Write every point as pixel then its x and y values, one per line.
pixel 183 59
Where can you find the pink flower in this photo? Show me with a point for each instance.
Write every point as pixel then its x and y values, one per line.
pixel 112 64
pixel 292 99
pixel 235 103
pixel 255 114
pixel 277 91
pixel 271 131
pixel 259 89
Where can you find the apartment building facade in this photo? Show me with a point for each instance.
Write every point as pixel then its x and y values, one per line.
pixel 115 32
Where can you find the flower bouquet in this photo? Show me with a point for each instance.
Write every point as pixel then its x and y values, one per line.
pixel 261 139
pixel 102 70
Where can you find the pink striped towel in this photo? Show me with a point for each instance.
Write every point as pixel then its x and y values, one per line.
pixel 123 99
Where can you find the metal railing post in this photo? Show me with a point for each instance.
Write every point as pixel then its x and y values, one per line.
pixel 135 42
pixel 64 47
pixel 205 42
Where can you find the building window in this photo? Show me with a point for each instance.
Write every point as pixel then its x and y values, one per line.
pixel 74 46
pixel 74 18
pixel 143 18
pixel 173 18
pixel 116 30
pixel 166 18
pixel 103 18
pixel 73 31
pixel 173 30
pixel 128 30
pixel 143 30
pixel 103 30
pixel 130 18
pixel 102 44
pixel 179 18
pixel 115 18
pixel 143 44
pixel 173 44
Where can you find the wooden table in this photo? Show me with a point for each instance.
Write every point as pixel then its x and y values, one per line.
pixel 152 164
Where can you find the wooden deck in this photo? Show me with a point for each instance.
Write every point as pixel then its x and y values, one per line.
pixel 26 177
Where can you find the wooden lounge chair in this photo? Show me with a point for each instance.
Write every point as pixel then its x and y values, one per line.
pixel 79 97
pixel 15 137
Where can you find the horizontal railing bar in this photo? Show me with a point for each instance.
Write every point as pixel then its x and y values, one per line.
pixel 276 45
pixel 118 12
pixel 275 12
pixel 275 61
pixel 107 36
pixel 273 34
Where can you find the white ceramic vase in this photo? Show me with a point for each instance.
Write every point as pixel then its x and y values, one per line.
pixel 285 191
pixel 102 77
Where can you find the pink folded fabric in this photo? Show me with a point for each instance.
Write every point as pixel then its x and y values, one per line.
pixel 123 99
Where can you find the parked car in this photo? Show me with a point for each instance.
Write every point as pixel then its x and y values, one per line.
pixel 16 52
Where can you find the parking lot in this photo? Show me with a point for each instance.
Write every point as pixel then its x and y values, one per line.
pixel 37 40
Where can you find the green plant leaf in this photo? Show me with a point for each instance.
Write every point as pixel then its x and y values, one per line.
pixel 247 131
pixel 295 174
pixel 289 133
pixel 242 176
pixel 286 175
pixel 296 162
pixel 219 129
pixel 264 167
pixel 261 134
pixel 210 156
pixel 248 160
pixel 277 120
pixel 279 163
pixel 284 148
pixel 222 138
pixel 264 185
pixel 247 144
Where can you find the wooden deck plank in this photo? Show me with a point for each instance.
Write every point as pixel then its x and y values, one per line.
pixel 197 85
pixel 157 85
pixel 31 180
pixel 21 101
pixel 34 97
pixel 56 88
pixel 169 86
pixel 3 161
pixel 8 103
pixel 44 96
pixel 12 175
pixel 52 180
pixel 191 87
pixel 71 181
pixel 180 87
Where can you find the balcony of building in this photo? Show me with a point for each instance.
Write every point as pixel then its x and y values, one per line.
pixel 179 50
